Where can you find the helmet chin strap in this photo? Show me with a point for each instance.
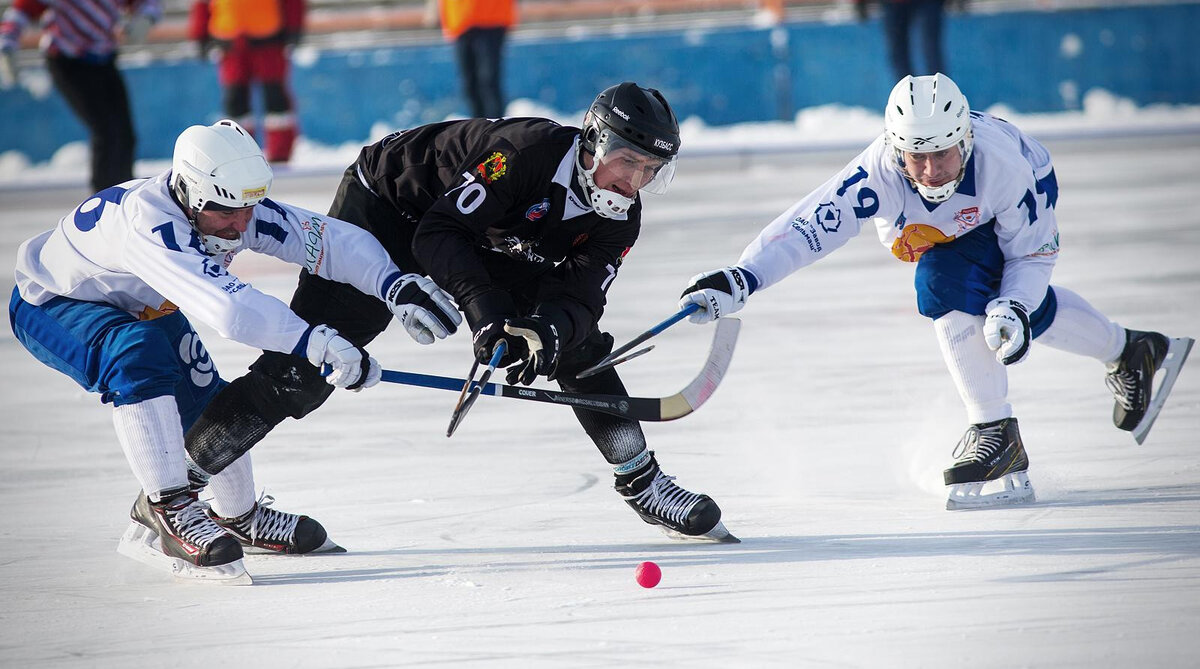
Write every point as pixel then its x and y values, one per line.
pixel 216 246
pixel 607 203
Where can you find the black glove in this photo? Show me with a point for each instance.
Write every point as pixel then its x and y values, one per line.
pixel 486 313
pixel 491 333
pixel 541 344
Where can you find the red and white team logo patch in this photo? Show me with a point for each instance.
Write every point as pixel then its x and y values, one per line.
pixel 967 218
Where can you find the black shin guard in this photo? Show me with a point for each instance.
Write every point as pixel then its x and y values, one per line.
pixel 618 439
pixel 245 411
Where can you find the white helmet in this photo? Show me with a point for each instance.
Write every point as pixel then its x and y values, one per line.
pixel 218 167
pixel 926 114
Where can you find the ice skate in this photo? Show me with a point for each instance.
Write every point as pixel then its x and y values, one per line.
pixel 177 536
pixel 990 469
pixel 266 530
pixel 680 514
pixel 1131 379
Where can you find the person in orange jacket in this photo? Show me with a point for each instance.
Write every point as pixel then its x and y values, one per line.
pixel 478 29
pixel 253 38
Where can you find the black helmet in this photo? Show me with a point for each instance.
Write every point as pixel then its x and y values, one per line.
pixel 639 115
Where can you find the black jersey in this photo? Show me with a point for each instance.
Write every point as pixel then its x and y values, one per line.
pixel 506 186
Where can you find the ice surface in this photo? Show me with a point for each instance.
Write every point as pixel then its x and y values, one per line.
pixel 506 547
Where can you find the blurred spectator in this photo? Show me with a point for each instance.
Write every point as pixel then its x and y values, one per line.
pixel 80 40
pixel 478 29
pixel 252 39
pixel 901 18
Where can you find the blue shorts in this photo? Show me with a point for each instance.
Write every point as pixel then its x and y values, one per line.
pixel 108 351
pixel 964 275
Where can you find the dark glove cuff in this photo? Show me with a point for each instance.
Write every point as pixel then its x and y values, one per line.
pixel 489 307
pixel 558 317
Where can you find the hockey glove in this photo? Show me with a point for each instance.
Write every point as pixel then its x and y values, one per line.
pixel 425 310
pixel 719 293
pixel 541 345
pixel 350 366
pixel 488 335
pixel 1006 330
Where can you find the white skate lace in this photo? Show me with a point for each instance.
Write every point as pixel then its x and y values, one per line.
pixel 664 499
pixel 193 525
pixel 1123 384
pixel 977 445
pixel 269 523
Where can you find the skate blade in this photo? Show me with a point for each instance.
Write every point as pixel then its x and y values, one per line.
pixel 140 543
pixel 717 535
pixel 1177 354
pixel 1016 490
pixel 327 547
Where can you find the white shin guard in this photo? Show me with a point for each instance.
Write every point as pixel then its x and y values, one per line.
pixel 981 380
pixel 152 438
pixel 1080 329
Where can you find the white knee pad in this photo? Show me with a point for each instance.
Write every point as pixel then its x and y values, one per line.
pixel 981 380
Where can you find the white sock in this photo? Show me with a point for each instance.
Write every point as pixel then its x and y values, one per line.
pixel 151 436
pixel 233 488
pixel 1080 329
pixel 981 380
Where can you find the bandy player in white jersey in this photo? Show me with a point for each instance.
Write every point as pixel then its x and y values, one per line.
pixel 970 199
pixel 102 297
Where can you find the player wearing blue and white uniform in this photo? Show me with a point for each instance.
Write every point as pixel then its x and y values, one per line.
pixel 102 297
pixel 970 199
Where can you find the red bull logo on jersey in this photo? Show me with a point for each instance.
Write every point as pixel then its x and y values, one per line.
pixel 538 210
pixel 493 168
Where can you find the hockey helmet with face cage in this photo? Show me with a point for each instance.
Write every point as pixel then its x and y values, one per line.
pixel 924 115
pixel 628 118
pixel 218 167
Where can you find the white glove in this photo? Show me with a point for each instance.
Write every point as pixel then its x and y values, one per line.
pixel 425 310
pixel 719 293
pixel 8 69
pixel 136 29
pixel 325 347
pixel 1006 330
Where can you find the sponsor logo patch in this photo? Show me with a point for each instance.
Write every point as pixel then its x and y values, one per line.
pixel 538 210
pixel 254 193
pixel 493 168
pixel 828 217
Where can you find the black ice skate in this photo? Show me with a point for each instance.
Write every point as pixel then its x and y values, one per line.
pixel 680 514
pixel 266 530
pixel 176 535
pixel 989 452
pixel 1131 379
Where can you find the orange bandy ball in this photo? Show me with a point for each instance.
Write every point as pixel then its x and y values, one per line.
pixel 648 574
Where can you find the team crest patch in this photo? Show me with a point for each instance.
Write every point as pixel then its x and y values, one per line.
pixel 493 168
pixel 967 218
pixel 538 210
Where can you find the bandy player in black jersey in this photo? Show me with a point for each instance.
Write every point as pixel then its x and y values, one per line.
pixel 525 223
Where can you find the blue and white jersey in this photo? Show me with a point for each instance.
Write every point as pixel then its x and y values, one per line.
pixel 1008 181
pixel 131 246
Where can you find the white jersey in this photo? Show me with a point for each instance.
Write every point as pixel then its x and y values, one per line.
pixel 132 247
pixel 1009 180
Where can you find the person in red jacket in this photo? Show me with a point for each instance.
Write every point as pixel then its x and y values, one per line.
pixel 253 38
